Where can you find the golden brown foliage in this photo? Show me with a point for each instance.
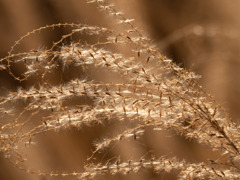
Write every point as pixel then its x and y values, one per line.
pixel 151 93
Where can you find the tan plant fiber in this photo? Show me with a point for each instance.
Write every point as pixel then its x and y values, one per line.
pixel 115 88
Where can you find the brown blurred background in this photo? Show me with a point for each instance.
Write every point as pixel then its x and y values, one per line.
pixel 201 36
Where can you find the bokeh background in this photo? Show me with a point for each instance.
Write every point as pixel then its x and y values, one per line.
pixel 201 36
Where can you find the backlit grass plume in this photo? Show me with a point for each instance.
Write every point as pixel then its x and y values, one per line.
pixel 151 92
